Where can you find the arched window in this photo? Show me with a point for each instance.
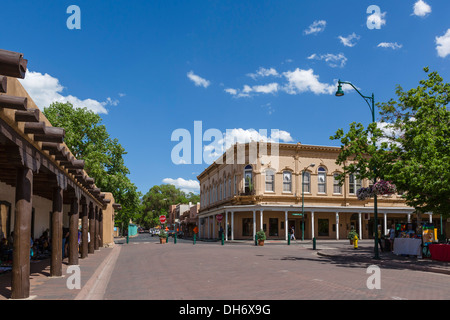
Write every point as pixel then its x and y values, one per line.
pixel 287 181
pixel 306 182
pixel 248 178
pixel 270 179
pixel 354 184
pixel 322 180
pixel 337 188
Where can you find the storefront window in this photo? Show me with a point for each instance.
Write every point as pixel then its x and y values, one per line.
pixel 247 226
pixel 322 180
pixel 323 227
pixel 269 180
pixel 273 227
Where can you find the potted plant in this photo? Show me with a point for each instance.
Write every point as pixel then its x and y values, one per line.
pixel 163 236
pixel 261 236
pixel 351 235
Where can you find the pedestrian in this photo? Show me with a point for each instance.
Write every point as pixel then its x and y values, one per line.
pixel 293 233
pixel 379 237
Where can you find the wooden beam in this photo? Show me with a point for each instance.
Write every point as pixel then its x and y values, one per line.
pixel 91 228
pixel 34 128
pixel 52 134
pixel 11 102
pixel 3 84
pixel 12 64
pixel 57 225
pixel 84 231
pixel 73 232
pixel 29 115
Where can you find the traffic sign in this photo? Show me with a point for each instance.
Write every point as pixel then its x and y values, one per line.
pixel 219 217
pixel 162 219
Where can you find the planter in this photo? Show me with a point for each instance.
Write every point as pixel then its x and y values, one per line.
pixel 162 240
pixel 351 241
pixel 260 242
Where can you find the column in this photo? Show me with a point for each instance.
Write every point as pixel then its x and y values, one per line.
pixel 73 232
pixel 312 225
pixel 286 231
pixel 385 223
pixel 214 227
pixel 209 233
pixel 96 229
pixel 84 230
pixel 431 217
pixel 57 224
pixel 91 248
pixel 261 220
pixel 20 279
pixel 254 224
pixel 232 225
pixel 226 225
pixel 100 228
pixel 360 226
pixel 337 225
pixel 409 217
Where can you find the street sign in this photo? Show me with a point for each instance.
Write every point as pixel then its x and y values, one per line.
pixel 219 217
pixel 297 214
pixel 162 219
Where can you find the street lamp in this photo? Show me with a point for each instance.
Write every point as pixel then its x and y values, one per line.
pixel 312 165
pixel 370 100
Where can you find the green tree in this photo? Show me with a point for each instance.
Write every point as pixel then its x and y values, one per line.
pixel 88 139
pixel 157 200
pixel 412 145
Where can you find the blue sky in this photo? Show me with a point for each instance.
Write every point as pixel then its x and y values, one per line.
pixel 152 67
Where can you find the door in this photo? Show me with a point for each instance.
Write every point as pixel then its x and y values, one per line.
pixel 273 227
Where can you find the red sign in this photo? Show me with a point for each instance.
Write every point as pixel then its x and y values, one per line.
pixel 219 217
pixel 162 219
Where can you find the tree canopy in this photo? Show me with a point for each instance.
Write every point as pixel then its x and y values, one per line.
pixel 409 146
pixel 88 140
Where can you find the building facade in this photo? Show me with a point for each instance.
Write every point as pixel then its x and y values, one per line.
pixel 279 187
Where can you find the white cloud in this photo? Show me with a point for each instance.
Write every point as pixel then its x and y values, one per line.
pixel 199 81
pixel 263 72
pixel 268 88
pixel 443 44
pixel 45 89
pixel 333 60
pixel 184 185
pixel 349 40
pixel 377 19
pixel 391 45
pixel 248 90
pixel 421 8
pixel 231 91
pixel 316 27
pixel 300 81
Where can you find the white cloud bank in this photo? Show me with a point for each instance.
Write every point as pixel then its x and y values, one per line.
pixel 184 185
pixel 333 60
pixel 198 81
pixel 421 8
pixel 443 44
pixel 391 45
pixel 45 89
pixel 316 27
pixel 350 40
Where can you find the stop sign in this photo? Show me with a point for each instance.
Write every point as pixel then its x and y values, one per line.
pixel 219 217
pixel 162 219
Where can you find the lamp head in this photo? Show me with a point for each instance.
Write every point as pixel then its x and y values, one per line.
pixel 312 165
pixel 339 92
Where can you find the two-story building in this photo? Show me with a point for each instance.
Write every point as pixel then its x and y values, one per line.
pixel 293 185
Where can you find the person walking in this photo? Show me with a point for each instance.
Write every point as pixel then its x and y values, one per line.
pixel 293 233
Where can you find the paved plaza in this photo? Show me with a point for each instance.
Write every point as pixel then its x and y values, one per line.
pixel 143 269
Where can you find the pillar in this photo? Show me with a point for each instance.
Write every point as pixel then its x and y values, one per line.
pixel 254 224
pixel 20 279
pixel 100 228
pixel 337 225
pixel 261 225
pixel 360 226
pixel 312 225
pixel 73 232
pixel 84 230
pixel 214 227
pixel 232 225
pixel 91 228
pixel 57 225
pixel 96 229
pixel 286 231
pixel 209 229
pixel 385 223
pixel 226 225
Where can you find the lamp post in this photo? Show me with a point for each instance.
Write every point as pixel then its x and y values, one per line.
pixel 312 165
pixel 370 100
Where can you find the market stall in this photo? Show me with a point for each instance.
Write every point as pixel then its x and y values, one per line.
pixel 408 246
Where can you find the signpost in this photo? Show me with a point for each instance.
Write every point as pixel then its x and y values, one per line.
pixel 219 217
pixel 162 219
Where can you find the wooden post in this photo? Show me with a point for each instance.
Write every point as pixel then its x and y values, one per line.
pixel 100 228
pixel 84 230
pixel 56 260
pixel 73 232
pixel 91 228
pixel 96 229
pixel 20 281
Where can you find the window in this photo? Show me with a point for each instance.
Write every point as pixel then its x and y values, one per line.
pixel 355 184
pixel 248 172
pixel 323 227
pixel 337 188
pixel 287 181
pixel 322 180
pixel 306 182
pixel 247 226
pixel 224 188
pixel 270 177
